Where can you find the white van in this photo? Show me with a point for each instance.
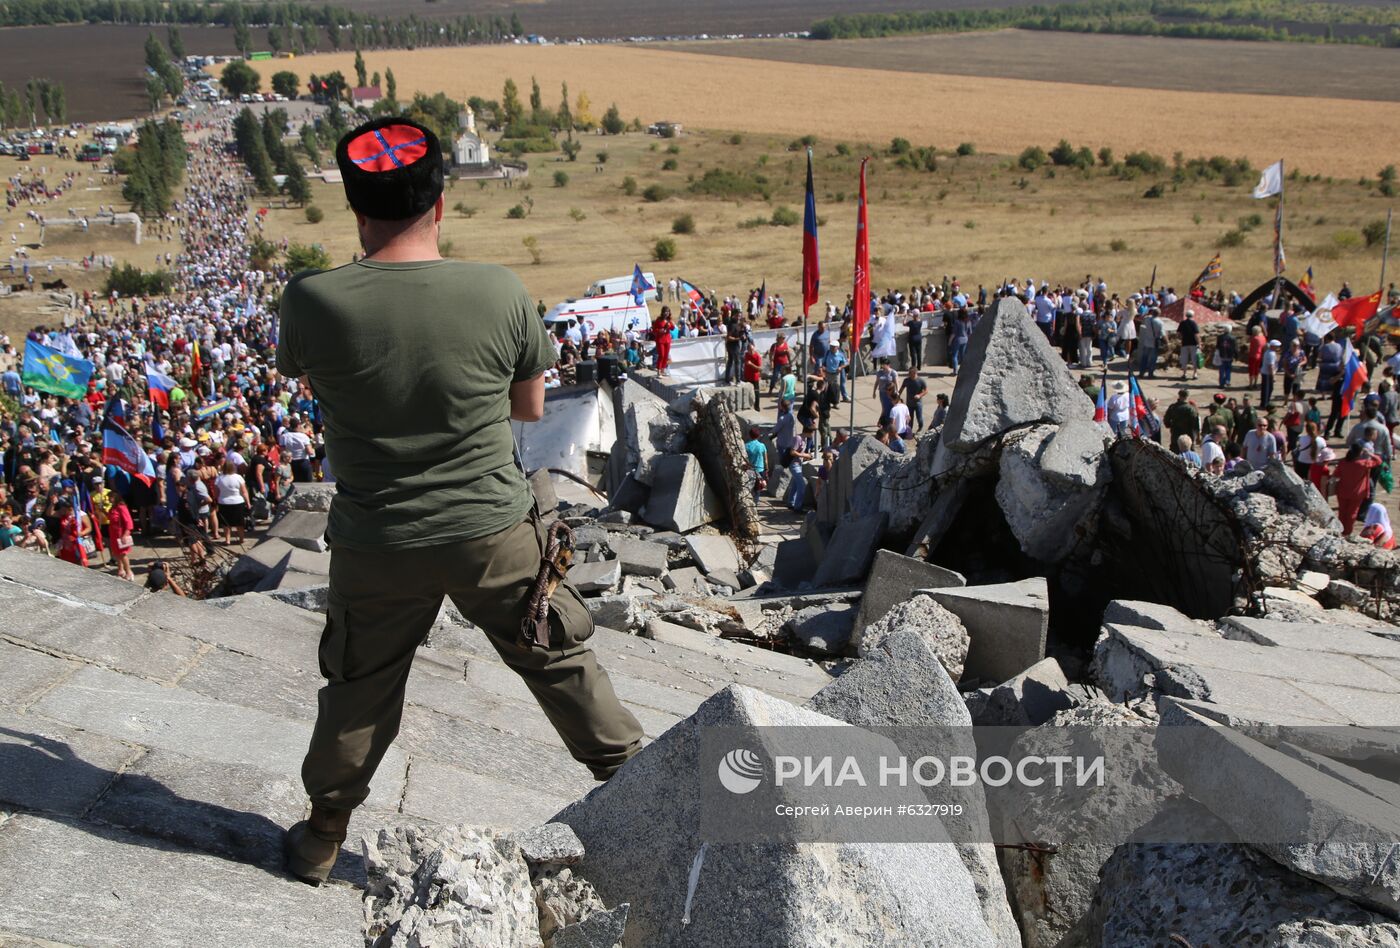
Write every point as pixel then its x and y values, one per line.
pixel 622 284
pixel 614 312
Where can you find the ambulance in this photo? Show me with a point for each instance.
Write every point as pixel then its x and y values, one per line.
pixel 607 305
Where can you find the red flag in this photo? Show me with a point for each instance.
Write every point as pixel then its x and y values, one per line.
pixel 811 266
pixel 1355 311
pixel 860 303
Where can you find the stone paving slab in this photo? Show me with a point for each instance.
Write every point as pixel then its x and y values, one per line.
pixel 1285 664
pixel 183 722
pixel 111 641
pixel 256 683
pixel 473 747
pixel 97 589
pixel 27 674
pixel 224 809
pixel 105 886
pixel 254 625
pixel 53 768
pixel 446 794
pixel 1356 705
pixel 1311 637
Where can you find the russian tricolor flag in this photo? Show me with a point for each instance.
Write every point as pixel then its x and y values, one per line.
pixel 1101 403
pixel 1354 376
pixel 160 386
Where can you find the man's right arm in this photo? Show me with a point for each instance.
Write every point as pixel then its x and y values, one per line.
pixel 527 399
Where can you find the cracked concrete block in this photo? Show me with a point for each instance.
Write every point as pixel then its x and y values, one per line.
pixel 1007 624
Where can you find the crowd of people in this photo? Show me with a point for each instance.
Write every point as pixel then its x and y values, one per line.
pixel 189 375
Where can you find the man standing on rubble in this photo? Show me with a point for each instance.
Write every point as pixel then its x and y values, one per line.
pixel 419 365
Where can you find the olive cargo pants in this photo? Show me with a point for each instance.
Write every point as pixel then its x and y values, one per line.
pixel 382 605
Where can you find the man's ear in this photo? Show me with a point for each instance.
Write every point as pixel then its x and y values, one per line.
pixel 437 209
pixel 361 220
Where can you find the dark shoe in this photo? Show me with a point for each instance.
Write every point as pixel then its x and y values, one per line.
pixel 312 845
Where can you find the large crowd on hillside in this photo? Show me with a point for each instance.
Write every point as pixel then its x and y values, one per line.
pixel 228 431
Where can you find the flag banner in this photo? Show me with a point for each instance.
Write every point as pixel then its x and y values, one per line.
pixel 1354 375
pixel 124 452
pixel 160 386
pixel 692 295
pixel 1101 403
pixel 860 301
pixel 1139 409
pixel 212 409
pixel 1319 322
pixel 1211 272
pixel 1357 310
pixel 49 370
pixel 1306 285
pixel 64 343
pixel 811 263
pixel 196 367
pixel 1270 182
pixel 763 294
pixel 640 286
pixel 1280 261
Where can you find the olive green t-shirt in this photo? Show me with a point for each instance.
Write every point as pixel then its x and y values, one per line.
pixel 412 364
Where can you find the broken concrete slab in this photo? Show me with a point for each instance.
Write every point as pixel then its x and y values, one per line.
pixel 940 628
pixel 851 551
pixel 1052 480
pixel 726 579
pixel 1011 377
pixel 1296 495
pixel 304 529
pixel 1123 653
pixel 1007 624
pixel 1385 790
pixel 275 555
pixel 1153 615
pixel 824 629
pixel 600 577
pixel 1031 698
pixel 855 456
pixel 1051 892
pixel 1305 820
pixel 793 565
pixel 892 580
pixel 680 498
pixel 315 496
pixel 1153 882
pixel 639 557
pixel 1331 636
pixel 684 581
pixel 713 552
pixel 901 683
pixel 762 893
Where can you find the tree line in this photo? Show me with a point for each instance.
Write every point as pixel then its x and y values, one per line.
pixel 40 100
pixel 265 154
pixel 1262 20
pixel 153 168
pixel 296 27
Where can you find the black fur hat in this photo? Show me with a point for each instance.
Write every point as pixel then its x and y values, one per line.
pixel 391 167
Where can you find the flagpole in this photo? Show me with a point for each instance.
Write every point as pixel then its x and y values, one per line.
pixel 1385 256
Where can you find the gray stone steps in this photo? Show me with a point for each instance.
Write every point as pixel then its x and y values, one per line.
pixel 151 746
pixel 87 884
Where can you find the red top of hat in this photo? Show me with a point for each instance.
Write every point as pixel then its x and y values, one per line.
pixel 387 148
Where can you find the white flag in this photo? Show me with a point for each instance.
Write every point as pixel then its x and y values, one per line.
pixel 1271 181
